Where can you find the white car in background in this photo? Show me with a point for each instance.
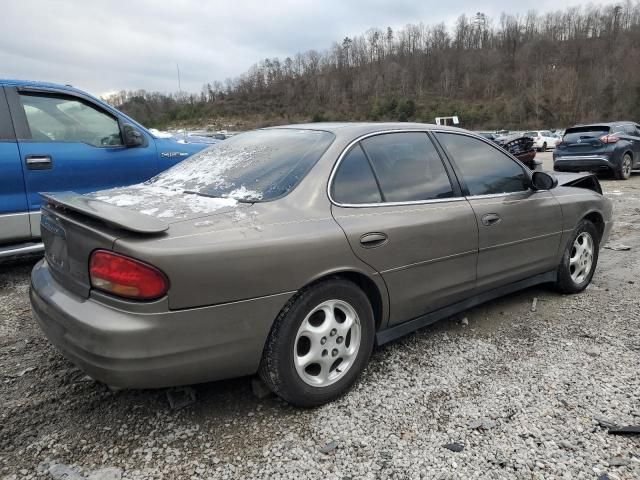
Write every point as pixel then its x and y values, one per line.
pixel 543 139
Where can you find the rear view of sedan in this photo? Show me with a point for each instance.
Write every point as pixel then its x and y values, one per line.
pixel 603 147
pixel 291 251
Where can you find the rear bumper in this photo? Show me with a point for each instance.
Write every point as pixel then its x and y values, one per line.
pixel 582 163
pixel 149 350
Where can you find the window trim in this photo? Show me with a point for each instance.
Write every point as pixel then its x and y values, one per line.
pixel 453 176
pixel 25 133
pixel 465 190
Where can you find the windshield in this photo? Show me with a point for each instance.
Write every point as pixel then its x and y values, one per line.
pixel 256 166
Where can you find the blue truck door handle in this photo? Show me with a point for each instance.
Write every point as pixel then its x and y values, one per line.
pixel 39 162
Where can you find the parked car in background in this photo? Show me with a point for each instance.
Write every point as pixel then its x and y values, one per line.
pixel 602 147
pixel 55 138
pixel 516 144
pixel 290 251
pixel 542 139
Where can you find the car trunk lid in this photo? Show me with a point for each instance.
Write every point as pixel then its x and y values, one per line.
pixel 73 226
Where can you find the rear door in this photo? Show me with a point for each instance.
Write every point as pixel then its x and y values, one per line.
pixel 519 228
pixel 404 215
pixel 68 143
pixel 632 135
pixel 14 211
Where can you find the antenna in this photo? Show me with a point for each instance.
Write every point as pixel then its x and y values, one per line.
pixel 184 130
pixel 179 86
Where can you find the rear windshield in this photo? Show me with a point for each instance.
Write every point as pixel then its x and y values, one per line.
pixel 576 133
pixel 256 166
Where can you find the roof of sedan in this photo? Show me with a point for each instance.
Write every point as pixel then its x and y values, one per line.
pixel 360 128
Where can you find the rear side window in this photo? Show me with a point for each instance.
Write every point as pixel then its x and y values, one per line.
pixel 407 167
pixel 574 134
pixel 67 119
pixel 485 169
pixel 354 181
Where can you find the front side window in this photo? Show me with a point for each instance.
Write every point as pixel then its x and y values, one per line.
pixel 485 169
pixel 67 119
pixel 407 167
pixel 354 182
pixel 254 166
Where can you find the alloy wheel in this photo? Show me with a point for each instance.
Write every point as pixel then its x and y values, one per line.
pixel 626 166
pixel 327 343
pixel 581 259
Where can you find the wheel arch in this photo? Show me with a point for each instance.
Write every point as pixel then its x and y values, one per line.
pixel 597 219
pixel 375 291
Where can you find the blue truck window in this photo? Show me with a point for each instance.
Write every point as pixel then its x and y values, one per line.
pixel 61 119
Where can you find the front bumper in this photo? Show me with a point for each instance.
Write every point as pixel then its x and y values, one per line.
pixel 159 349
pixel 582 163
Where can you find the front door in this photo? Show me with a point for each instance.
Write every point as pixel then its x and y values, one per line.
pixel 519 228
pixel 394 198
pixel 70 144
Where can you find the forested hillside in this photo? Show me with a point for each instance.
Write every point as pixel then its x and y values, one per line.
pixel 536 70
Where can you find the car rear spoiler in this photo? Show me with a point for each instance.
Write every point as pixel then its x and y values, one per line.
pixel 117 216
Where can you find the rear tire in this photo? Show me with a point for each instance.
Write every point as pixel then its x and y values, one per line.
pixel 623 172
pixel 579 260
pixel 319 344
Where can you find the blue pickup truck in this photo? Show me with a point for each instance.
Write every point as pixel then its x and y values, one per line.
pixel 58 138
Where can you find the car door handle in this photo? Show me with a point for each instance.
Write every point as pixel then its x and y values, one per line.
pixel 374 239
pixel 491 219
pixel 38 162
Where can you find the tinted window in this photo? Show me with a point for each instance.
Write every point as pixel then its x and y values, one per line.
pixel 486 170
pixel 572 135
pixel 408 167
pixel 354 181
pixel 66 119
pixel 629 129
pixel 253 166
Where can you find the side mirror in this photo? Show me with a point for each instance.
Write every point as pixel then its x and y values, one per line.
pixel 543 181
pixel 132 136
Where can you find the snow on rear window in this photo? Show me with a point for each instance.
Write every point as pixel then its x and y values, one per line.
pixel 253 166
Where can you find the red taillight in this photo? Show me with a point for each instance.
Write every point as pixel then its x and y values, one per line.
pixel 126 277
pixel 609 139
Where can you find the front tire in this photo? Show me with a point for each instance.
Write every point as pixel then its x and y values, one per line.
pixel 319 344
pixel 579 260
pixel 623 172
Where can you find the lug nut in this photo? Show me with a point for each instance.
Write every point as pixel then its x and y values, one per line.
pixel 325 353
pixel 333 332
pixel 323 340
pixel 339 340
pixel 334 352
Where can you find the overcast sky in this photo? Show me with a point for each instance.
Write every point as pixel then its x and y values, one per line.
pixel 105 45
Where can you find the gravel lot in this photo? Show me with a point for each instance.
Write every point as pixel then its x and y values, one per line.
pixel 528 394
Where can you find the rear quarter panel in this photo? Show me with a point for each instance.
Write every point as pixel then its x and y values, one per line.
pixel 264 251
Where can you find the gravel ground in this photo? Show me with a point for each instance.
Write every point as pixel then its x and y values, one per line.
pixel 522 393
